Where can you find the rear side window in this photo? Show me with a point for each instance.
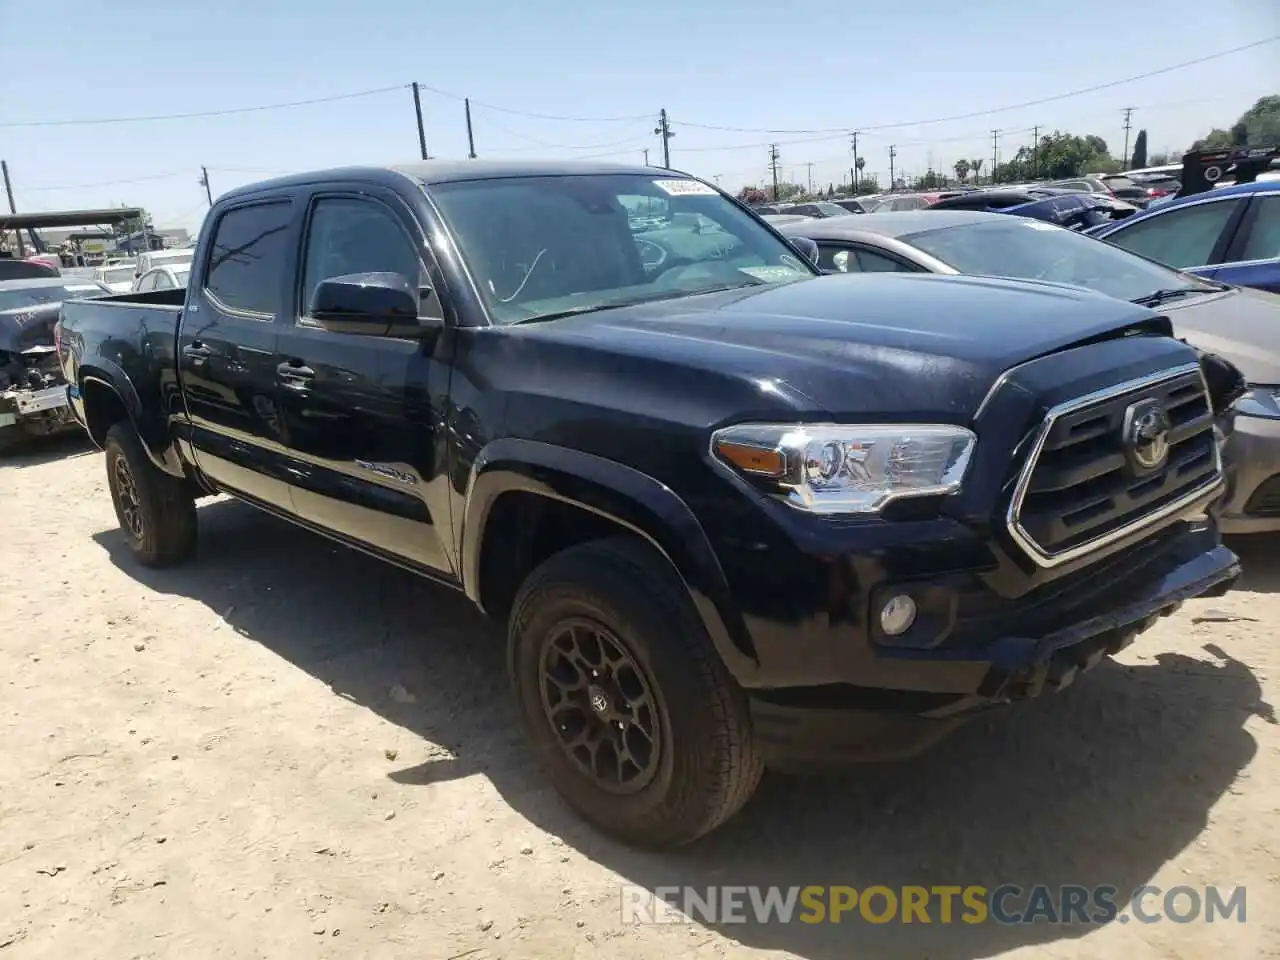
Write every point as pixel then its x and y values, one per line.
pixel 1264 239
pixel 1181 238
pixel 248 257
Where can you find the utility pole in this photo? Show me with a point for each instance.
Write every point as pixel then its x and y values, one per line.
pixel 417 113
pixel 204 182
pixel 893 153
pixel 8 189
pixel 853 171
pixel 471 138
pixel 773 168
pixel 1128 115
pixel 1035 152
pixel 995 153
pixel 809 164
pixel 663 129
pixel 8 186
pixel 646 156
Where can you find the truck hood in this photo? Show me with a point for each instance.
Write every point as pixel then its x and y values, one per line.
pixel 870 343
pixel 1240 324
pixel 27 327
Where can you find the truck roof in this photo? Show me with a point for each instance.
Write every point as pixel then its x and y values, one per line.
pixel 452 171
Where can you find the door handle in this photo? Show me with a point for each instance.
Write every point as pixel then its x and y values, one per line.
pixel 196 350
pixel 291 370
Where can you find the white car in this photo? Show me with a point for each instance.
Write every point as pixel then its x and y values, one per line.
pixel 118 277
pixel 155 258
pixel 170 276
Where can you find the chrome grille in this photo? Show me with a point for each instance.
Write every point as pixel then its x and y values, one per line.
pixel 1082 485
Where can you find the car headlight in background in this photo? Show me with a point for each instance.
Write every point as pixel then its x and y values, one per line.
pixel 1260 401
pixel 847 468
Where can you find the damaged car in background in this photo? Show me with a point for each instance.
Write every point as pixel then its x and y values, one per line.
pixel 33 394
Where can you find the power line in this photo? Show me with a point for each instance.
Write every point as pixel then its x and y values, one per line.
pixel 107 183
pixel 202 113
pixel 626 141
pixel 1015 106
pixel 533 116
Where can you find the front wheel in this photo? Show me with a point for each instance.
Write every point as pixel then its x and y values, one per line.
pixel 631 711
pixel 156 511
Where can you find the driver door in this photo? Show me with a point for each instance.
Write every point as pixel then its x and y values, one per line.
pixel 360 414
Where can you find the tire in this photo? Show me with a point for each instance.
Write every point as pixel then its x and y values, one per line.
pixel 704 766
pixel 157 513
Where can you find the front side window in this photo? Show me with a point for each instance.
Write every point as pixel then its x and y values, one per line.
pixel 543 246
pixel 1182 237
pixel 248 257
pixel 1031 250
pixel 348 235
pixel 858 260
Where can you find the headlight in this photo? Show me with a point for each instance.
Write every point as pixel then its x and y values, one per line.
pixel 1260 401
pixel 847 469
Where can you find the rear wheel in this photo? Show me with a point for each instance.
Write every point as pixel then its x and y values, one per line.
pixel 631 711
pixel 156 511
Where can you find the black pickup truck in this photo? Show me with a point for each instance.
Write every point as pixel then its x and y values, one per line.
pixel 734 513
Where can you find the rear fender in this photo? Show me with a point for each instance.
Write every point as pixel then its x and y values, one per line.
pixel 151 430
pixel 618 493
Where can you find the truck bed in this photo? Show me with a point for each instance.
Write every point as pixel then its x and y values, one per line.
pixel 127 341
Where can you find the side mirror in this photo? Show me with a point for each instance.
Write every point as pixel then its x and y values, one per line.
pixel 806 248
pixel 371 304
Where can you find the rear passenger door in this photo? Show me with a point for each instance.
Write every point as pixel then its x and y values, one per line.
pixel 227 346
pixel 362 415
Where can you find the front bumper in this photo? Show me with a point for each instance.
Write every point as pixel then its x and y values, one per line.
pixel 1027 652
pixel 1252 456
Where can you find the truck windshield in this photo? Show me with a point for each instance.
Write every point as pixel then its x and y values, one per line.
pixel 542 246
pixel 1027 249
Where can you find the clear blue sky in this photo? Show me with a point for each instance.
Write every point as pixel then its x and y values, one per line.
pixel 745 65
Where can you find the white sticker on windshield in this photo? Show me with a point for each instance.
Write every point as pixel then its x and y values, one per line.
pixel 684 188
pixel 769 274
pixel 1040 225
pixel 80 286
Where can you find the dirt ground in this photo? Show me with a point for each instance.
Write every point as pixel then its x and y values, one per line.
pixel 287 749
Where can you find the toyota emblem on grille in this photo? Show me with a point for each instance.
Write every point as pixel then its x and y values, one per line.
pixel 1146 434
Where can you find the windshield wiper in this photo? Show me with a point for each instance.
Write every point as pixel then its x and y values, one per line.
pixel 613 305
pixel 1157 297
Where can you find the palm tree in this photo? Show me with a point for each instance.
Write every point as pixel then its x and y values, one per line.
pixel 859 164
pixel 962 169
pixel 976 165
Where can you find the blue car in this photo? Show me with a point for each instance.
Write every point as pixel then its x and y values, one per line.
pixel 1067 208
pixel 1231 234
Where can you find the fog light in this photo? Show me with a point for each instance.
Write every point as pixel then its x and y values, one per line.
pixel 897 616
